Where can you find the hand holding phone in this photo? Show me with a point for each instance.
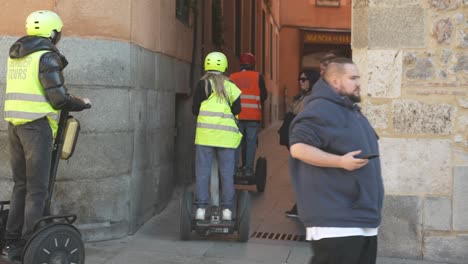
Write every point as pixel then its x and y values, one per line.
pixel 369 156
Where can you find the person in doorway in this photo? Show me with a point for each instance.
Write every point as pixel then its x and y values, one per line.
pixel 339 192
pixel 35 93
pixel 324 61
pixel 306 80
pixel 254 93
pixel 216 102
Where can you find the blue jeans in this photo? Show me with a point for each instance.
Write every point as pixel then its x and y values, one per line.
pixel 204 156
pixel 249 130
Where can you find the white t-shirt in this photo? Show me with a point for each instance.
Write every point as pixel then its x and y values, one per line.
pixel 317 233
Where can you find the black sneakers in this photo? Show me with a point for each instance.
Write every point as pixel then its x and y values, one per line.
pixel 292 212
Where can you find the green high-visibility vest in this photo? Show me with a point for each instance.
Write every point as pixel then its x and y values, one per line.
pixel 216 125
pixel 25 99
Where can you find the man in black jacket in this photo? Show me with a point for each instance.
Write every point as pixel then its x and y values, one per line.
pixel 35 93
pixel 339 188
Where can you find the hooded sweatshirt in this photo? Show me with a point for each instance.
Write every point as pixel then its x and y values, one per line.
pixel 335 197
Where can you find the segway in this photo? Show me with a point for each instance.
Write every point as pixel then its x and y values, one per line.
pixel 258 178
pixel 55 239
pixel 213 223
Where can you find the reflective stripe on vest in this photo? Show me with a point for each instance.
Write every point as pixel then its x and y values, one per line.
pixel 216 125
pixel 25 99
pixel 247 81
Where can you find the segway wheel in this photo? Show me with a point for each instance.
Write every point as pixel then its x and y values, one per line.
pixel 186 204
pixel 58 243
pixel 243 216
pixel 260 174
pixel 3 221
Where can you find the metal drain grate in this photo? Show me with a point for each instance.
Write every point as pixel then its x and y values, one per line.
pixel 278 236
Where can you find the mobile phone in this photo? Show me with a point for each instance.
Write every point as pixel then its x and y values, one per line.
pixel 370 156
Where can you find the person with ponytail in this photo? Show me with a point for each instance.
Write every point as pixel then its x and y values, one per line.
pixel 216 102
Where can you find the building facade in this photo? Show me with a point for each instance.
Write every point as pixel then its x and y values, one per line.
pixel 413 59
pixel 308 30
pixel 133 59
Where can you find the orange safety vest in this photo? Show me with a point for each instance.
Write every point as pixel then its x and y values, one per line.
pixel 247 81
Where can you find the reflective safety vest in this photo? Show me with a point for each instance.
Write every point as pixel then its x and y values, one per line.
pixel 247 81
pixel 25 99
pixel 216 125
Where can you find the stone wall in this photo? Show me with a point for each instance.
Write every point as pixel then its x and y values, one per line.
pixel 123 169
pixel 413 59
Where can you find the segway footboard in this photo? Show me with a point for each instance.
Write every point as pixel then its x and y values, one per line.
pixel 214 224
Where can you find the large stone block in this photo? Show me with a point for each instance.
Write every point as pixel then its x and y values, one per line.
pixel 393 3
pixel 414 117
pixel 361 60
pixel 419 66
pixel 99 156
pixel 5 168
pixel 144 195
pixel 416 166
pixel 384 73
pixel 462 63
pixel 376 114
pixel 360 32
pixel 144 67
pixel 102 205
pixel 462 38
pixel 460 198
pixel 182 80
pixel 5 44
pixel 145 118
pixel 442 30
pixel 400 233
pixel 166 109
pixel 165 74
pixel 437 213
pixel 110 111
pixel 396 27
pixel 360 4
pixel 6 187
pixel 445 4
pixel 448 249
pixel 97 62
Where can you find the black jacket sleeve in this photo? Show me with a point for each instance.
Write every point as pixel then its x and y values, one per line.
pixel 51 65
pixel 199 96
pixel 236 107
pixel 263 90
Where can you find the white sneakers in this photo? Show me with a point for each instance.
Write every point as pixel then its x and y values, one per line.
pixel 200 214
pixel 227 215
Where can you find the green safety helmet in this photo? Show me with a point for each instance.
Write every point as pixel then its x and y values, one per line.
pixel 42 23
pixel 216 61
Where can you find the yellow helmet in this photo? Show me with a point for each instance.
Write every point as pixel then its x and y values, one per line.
pixel 42 23
pixel 216 61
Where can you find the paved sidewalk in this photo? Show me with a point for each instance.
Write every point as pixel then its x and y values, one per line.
pixel 158 242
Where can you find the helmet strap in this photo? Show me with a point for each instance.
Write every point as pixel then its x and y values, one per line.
pixel 55 36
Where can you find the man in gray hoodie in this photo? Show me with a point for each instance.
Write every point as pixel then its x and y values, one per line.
pixel 336 171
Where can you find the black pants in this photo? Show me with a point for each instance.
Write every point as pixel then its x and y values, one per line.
pixel 345 250
pixel 31 154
